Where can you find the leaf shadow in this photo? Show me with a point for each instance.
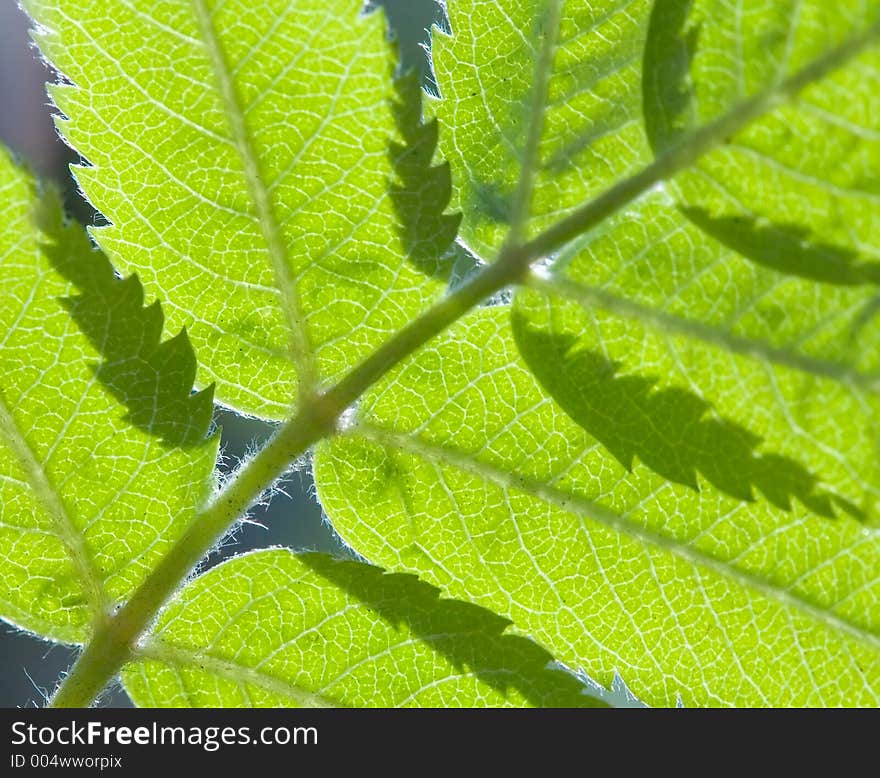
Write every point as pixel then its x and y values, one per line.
pixel 668 108
pixel 493 200
pixel 672 431
pixel 786 248
pixel 507 661
pixel 420 191
pixel 667 96
pixel 152 378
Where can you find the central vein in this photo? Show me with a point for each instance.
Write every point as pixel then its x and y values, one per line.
pixel 66 529
pixel 301 353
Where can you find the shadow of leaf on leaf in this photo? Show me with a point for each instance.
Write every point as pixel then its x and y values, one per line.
pixel 471 637
pixel 151 377
pixel 667 95
pixel 670 110
pixel 788 248
pixel 421 190
pixel 671 430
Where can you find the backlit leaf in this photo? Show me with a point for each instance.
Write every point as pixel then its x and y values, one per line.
pixel 103 450
pixel 273 628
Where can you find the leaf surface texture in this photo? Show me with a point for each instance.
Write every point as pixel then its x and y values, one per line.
pixel 253 163
pixel 81 522
pixel 461 468
pixel 274 629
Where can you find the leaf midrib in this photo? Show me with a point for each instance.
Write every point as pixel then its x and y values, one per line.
pixel 587 508
pixel 65 528
pixel 301 351
pixel 531 153
pixel 174 656
pixel 589 295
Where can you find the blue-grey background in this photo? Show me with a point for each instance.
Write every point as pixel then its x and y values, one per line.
pixel 30 667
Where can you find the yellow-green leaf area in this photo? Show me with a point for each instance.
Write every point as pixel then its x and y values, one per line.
pixel 92 418
pixel 247 160
pixel 277 629
pixel 591 131
pixel 726 587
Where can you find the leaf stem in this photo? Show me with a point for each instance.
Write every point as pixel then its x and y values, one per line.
pixel 114 641
pixel 695 145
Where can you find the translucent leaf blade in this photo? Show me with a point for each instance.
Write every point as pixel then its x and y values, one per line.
pixel 246 162
pixel 694 285
pixel 461 468
pixel 81 526
pixel 592 132
pixel 797 190
pixel 273 628
pixel 692 412
pixel 618 93
pixel 651 263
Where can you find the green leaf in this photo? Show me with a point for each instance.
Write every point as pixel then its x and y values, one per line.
pixel 780 282
pixel 617 91
pixel 798 190
pixel 259 172
pixel 570 69
pixel 687 410
pixel 674 269
pixel 95 414
pixel 461 469
pixel 651 264
pixel 273 628
pixel 663 471
pixel 725 366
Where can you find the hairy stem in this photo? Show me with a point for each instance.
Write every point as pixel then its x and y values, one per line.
pixel 113 642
